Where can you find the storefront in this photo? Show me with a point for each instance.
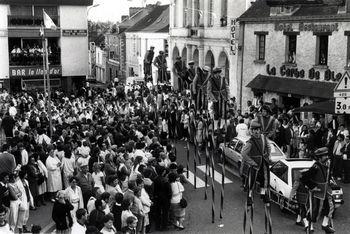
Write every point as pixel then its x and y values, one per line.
pixel 295 54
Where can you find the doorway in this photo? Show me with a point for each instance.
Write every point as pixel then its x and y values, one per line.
pixel 290 102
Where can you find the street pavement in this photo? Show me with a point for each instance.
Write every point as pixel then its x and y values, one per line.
pixel 199 210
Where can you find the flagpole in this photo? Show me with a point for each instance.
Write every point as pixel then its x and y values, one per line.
pixel 42 32
pixel 47 72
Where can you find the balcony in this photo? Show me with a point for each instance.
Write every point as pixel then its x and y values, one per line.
pixel 29 21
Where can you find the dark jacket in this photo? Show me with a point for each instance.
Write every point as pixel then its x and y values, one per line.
pixel 60 213
pixel 162 190
pixel 117 213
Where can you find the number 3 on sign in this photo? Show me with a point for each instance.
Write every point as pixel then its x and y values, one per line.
pixel 340 106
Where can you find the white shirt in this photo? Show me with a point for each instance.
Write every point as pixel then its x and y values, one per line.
pixel 24 156
pixel 12 111
pixel 177 188
pixel 78 229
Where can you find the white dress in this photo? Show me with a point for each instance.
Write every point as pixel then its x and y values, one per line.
pixel 42 187
pixel 97 177
pixel 54 181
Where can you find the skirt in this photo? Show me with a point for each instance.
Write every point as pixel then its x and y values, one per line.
pixel 177 210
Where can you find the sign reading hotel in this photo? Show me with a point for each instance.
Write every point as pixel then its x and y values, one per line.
pixel 233 37
pixel 299 27
pixel 74 32
pixel 34 71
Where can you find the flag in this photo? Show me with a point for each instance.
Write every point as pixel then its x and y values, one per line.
pixel 48 23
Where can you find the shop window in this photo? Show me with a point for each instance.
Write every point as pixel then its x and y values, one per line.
pixel 260 45
pixel 291 48
pixel 322 50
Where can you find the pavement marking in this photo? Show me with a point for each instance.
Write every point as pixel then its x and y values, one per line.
pixel 200 182
pixel 48 228
pixel 217 175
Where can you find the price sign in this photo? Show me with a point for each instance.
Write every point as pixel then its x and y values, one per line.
pixel 342 105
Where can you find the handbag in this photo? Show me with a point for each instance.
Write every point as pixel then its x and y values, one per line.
pixel 183 203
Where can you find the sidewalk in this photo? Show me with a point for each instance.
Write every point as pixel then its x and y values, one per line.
pixel 42 217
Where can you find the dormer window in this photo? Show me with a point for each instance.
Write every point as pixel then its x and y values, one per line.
pixel 283 10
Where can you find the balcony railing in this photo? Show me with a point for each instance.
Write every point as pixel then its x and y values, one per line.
pixel 30 59
pixel 22 20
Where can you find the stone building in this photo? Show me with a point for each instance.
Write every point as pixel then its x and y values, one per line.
pixel 293 52
pixel 205 31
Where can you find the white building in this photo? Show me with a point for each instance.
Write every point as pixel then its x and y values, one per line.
pixel 20 22
pixel 100 65
pixel 152 30
pixel 204 31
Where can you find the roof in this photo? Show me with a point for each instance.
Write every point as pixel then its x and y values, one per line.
pixel 48 2
pixel 298 163
pixel 133 19
pixel 156 21
pixel 304 2
pixel 260 10
pixel 294 86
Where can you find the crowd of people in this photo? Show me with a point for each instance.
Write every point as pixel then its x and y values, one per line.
pixel 33 55
pixel 105 158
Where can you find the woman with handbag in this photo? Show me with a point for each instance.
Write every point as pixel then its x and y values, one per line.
pixel 177 202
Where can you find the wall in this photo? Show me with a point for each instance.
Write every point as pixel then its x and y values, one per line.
pixel 74 50
pixel 4 50
pixel 143 42
pixel 276 49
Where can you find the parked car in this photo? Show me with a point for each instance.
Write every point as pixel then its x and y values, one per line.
pixel 282 177
pixel 234 148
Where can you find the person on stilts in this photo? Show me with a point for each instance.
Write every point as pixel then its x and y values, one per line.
pixel 255 169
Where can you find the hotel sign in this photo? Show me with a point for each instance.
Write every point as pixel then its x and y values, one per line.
pixel 233 37
pixel 34 71
pixel 290 27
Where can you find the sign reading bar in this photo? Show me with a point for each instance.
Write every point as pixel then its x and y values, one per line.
pixel 74 32
pixel 34 71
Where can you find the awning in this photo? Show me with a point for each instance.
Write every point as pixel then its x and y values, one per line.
pixel 295 86
pixel 326 107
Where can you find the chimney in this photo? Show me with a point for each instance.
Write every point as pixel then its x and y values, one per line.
pixel 124 17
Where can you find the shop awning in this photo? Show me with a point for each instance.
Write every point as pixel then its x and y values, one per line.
pixel 326 107
pixel 295 86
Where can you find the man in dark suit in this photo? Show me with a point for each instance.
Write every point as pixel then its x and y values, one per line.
pixel 147 63
pixel 346 159
pixel 7 160
pixel 4 190
pixel 162 196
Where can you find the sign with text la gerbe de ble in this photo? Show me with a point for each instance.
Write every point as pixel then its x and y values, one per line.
pixel 34 71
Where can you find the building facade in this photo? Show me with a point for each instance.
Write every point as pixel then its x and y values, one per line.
pixel 112 56
pixel 295 53
pixel 100 65
pixel 21 44
pixel 152 30
pixel 205 31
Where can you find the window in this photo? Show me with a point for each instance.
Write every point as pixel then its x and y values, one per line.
pixel 175 12
pixel 197 13
pixel 322 50
pixel 291 48
pixel 348 52
pixel 211 14
pixel 223 18
pixel 239 146
pixel 185 13
pixel 260 42
pixel 281 171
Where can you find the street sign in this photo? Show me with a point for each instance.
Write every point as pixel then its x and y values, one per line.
pixel 343 87
pixel 342 105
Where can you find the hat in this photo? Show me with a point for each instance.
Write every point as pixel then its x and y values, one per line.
pixel 161 52
pixel 178 58
pixel 321 152
pixel 206 68
pixel 191 62
pixel 255 125
pixel 217 70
